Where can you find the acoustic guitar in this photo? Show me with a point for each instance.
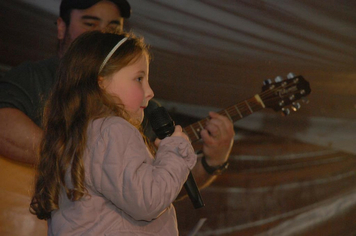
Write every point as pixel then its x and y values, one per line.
pixel 16 179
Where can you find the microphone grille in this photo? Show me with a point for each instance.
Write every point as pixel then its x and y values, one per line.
pixel 159 117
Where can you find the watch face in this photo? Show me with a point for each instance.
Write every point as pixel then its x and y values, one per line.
pixel 221 169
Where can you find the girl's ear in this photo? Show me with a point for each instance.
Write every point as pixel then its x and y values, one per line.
pixel 101 82
pixel 61 28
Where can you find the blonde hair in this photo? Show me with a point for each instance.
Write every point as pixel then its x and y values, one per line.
pixel 75 101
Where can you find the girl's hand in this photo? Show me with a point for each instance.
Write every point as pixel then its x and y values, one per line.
pixel 178 132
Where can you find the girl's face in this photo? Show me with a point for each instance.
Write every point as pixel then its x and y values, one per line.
pixel 131 85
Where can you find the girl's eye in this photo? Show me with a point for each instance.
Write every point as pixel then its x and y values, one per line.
pixel 139 79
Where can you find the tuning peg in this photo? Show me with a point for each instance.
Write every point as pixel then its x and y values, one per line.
pixel 305 100
pixel 285 111
pixel 278 79
pixel 290 75
pixel 296 106
pixel 267 82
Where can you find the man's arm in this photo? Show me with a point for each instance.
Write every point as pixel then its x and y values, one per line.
pixel 19 137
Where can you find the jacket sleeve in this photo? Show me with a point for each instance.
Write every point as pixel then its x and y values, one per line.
pixel 140 186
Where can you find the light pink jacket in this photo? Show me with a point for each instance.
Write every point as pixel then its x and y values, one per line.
pixel 131 193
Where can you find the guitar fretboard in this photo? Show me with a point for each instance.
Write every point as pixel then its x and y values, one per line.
pixel 234 113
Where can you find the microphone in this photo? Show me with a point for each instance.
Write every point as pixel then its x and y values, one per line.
pixel 163 126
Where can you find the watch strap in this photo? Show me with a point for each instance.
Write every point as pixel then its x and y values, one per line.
pixel 214 170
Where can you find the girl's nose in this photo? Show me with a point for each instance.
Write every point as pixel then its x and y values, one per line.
pixel 149 92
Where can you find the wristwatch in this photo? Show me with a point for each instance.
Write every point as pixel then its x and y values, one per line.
pixel 214 170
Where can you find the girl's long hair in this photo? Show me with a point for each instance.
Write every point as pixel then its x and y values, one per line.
pixel 75 101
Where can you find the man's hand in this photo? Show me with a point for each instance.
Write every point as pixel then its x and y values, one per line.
pixel 218 138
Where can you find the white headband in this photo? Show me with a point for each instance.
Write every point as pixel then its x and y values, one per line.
pixel 112 52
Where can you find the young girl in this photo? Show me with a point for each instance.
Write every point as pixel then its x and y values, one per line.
pixel 96 175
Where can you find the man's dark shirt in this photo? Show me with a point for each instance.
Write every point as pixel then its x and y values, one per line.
pixel 27 87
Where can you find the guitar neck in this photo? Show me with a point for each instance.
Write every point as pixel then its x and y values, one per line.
pixel 234 113
pixel 277 96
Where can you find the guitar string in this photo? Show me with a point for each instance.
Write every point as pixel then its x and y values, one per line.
pixel 242 109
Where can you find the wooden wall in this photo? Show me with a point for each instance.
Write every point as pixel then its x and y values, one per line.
pixel 27 33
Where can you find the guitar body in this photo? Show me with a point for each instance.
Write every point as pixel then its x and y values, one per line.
pixel 16 182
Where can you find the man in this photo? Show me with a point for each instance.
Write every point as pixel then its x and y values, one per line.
pixel 21 102
pixel 24 89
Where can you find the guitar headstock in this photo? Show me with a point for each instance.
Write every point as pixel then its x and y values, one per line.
pixel 285 93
